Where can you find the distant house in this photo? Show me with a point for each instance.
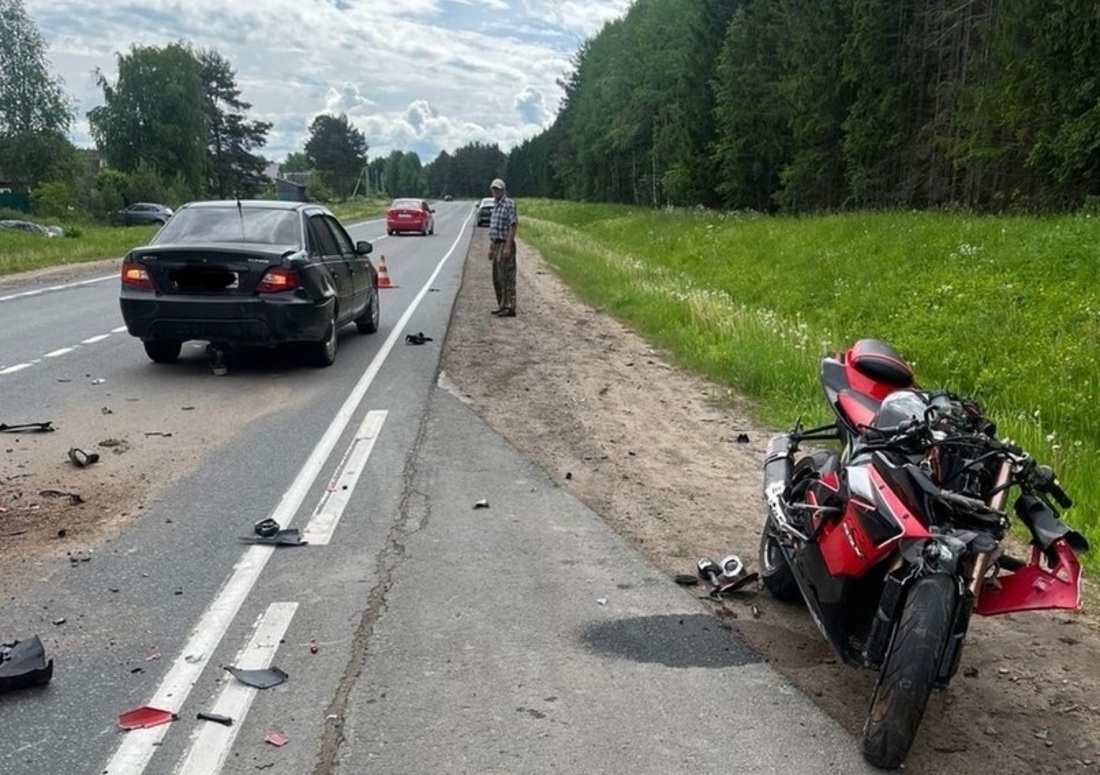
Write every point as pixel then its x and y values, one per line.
pixel 93 158
pixel 293 187
pixel 15 194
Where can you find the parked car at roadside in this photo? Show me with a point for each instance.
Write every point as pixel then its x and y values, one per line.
pixel 140 213
pixel 485 210
pixel 410 215
pixel 249 273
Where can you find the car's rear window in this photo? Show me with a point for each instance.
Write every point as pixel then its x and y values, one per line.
pixel 413 204
pixel 231 224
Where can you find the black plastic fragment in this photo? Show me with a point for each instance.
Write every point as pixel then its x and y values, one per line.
pixel 686 579
pixel 417 338
pixel 259 679
pixel 215 717
pixel 23 664
pixel 33 427
pixel 288 537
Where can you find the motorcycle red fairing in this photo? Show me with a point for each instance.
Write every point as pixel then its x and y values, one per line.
pixel 909 497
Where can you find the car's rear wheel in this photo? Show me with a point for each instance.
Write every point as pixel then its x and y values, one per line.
pixel 163 351
pixel 367 323
pixel 323 353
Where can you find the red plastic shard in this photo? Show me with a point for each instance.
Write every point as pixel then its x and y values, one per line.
pixel 145 717
pixel 276 739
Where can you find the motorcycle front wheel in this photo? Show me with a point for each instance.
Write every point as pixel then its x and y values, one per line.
pixel 909 671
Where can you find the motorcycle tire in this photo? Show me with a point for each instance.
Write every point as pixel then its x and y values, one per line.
pixel 775 572
pixel 909 672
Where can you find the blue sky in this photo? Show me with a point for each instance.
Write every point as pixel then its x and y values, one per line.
pixel 413 75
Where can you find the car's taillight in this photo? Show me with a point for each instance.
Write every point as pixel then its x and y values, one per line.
pixel 278 279
pixel 137 277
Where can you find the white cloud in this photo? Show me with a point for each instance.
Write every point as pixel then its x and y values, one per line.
pixel 423 75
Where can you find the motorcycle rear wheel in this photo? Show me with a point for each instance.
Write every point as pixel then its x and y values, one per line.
pixel 775 571
pixel 909 671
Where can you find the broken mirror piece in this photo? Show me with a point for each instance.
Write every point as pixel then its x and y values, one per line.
pixel 259 679
pixel 145 717
pixel 82 457
pixel 482 504
pixel 23 664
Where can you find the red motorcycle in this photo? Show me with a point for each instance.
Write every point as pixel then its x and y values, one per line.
pixel 893 539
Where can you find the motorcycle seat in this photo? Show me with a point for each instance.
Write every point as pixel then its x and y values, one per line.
pixel 881 362
pixel 858 408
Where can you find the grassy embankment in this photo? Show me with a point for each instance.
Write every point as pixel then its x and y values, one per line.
pixel 21 252
pixel 1003 309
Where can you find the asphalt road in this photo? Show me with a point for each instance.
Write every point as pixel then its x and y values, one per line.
pixel 418 633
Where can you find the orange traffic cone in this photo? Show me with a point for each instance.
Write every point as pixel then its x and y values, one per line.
pixel 384 274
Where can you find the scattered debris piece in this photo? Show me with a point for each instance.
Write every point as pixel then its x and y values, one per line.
pixel 266 527
pixel 312 647
pixel 726 577
pixel 145 717
pixel 74 498
pixel 158 433
pixel 33 427
pixel 568 474
pixel 276 739
pixel 59 621
pixel 215 717
pixel 417 338
pixel 482 504
pixel 601 600
pixel 81 458
pixel 259 679
pixel 742 438
pixel 106 410
pixel 287 537
pixel 187 408
pixel 192 658
pixel 23 664
pixel 686 579
pixel 98 381
pixel 153 656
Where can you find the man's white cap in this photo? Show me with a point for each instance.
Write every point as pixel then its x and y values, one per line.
pixel 497 183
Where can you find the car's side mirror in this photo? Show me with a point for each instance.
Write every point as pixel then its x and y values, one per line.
pixel 362 248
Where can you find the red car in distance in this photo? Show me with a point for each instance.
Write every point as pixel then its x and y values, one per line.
pixel 410 215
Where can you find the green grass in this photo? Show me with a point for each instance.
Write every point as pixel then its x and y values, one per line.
pixel 1003 309
pixel 21 252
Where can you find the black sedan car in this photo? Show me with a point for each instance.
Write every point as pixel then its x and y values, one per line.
pixel 484 210
pixel 249 273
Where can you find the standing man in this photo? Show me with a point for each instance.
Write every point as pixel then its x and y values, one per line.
pixel 502 250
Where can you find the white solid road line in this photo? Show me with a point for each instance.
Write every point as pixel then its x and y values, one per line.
pixel 319 529
pixel 210 744
pixel 40 291
pixel 138 746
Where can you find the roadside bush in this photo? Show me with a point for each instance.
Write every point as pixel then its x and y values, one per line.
pixel 53 200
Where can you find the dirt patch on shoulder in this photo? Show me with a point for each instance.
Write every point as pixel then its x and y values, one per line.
pixel 656 453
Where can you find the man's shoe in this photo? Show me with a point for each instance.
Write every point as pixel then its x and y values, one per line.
pixel 507 313
pixel 497 311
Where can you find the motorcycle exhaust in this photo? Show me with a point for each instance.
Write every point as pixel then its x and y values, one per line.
pixel 777 462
